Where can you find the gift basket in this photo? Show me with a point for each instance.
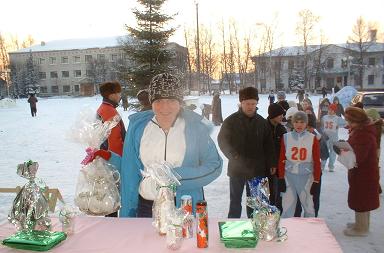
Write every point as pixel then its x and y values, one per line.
pixel 97 192
pixel 265 217
pixel 29 214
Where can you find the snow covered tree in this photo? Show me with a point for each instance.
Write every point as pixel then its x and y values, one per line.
pixel 146 45
pixel 31 76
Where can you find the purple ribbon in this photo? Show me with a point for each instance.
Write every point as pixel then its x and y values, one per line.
pixel 90 156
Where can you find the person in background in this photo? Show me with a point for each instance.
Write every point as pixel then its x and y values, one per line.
pixel 167 133
pixel 340 108
pixel 299 167
pixel 300 95
pixel 124 100
pixel 271 97
pixel 359 105
pixel 32 100
pixel 363 179
pixel 306 98
pixel 330 125
pixel 111 93
pixel 217 117
pixel 282 101
pixel 323 108
pixel 336 89
pixel 245 138
pixel 324 92
pixel 290 112
pixel 275 118
pixel 143 97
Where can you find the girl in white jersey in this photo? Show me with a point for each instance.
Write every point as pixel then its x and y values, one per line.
pixel 299 167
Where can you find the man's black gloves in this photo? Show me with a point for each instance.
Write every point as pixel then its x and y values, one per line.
pixel 315 188
pixel 281 185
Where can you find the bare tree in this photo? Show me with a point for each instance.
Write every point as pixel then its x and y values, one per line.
pixel 189 58
pixel 305 30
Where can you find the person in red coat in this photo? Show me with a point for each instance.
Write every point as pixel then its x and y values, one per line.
pixel 111 93
pixel 363 194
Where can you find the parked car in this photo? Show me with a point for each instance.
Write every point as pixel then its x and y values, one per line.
pixel 371 99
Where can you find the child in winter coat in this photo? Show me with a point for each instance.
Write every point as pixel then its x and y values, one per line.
pixel 330 125
pixel 299 167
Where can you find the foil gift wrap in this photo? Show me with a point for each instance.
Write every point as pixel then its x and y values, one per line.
pixel 67 217
pixel 238 234
pixel 164 204
pixel 34 240
pixel 30 207
pixel 265 217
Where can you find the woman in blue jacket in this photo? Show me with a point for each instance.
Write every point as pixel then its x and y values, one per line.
pixel 165 133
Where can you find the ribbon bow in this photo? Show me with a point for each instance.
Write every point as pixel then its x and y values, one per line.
pixel 89 157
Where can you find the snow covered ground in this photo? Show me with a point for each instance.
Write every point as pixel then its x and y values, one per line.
pixel 44 139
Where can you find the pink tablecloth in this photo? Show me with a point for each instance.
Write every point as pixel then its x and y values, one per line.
pixel 104 235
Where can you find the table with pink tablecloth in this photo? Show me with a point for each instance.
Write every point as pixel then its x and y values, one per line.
pixel 114 235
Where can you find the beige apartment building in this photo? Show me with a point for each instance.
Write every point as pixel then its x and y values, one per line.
pixel 65 66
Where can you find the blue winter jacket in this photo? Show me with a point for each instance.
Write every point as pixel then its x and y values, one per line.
pixel 202 163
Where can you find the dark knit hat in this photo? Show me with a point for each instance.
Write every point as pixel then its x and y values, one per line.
pixel 248 93
pixel 311 120
pixel 356 114
pixel 165 86
pixel 109 88
pixel 275 110
pixel 300 116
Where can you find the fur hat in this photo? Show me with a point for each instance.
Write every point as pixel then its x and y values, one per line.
pixel 165 86
pixel 109 88
pixel 248 93
pixel 280 95
pixel 356 114
pixel 333 107
pixel 290 112
pixel 275 110
pixel 300 116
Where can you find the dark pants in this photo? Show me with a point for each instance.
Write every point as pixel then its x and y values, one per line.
pixel 33 111
pixel 144 208
pixel 236 187
pixel 274 197
pixel 316 203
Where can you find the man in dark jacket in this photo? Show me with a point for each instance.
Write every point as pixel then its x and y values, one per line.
pixel 246 140
pixel 32 100
pixel 275 117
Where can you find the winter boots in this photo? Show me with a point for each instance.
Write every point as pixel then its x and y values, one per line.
pixel 360 227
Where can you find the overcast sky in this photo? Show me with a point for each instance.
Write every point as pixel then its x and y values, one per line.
pixel 49 20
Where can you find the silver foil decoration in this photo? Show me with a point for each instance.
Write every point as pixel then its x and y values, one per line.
pixel 30 207
pixel 265 217
pixel 67 217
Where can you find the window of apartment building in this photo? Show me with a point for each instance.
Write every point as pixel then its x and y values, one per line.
pixel 43 89
pixel 76 59
pixel 52 60
pixel 277 65
pixel 291 64
pixel 41 61
pixel 88 58
pixel 372 61
pixel 329 63
pixel 64 60
pixel 371 79
pixel 66 88
pixel 65 74
pixel 114 57
pixel 77 73
pixel 55 89
pixel 77 88
pixel 100 57
pixel 53 74
pixel 88 72
pixel 42 75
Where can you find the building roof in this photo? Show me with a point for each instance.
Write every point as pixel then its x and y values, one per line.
pixel 71 44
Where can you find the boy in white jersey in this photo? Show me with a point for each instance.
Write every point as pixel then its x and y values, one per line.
pixel 299 167
pixel 330 124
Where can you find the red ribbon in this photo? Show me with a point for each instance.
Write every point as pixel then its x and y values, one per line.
pixel 90 155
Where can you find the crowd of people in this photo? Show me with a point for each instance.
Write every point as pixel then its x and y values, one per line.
pixel 292 147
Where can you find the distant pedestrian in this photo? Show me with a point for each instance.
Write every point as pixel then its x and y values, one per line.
pixel 32 100
pixel 143 97
pixel 324 92
pixel 281 100
pixel 217 117
pixel 300 95
pixel 271 97
pixel 124 100
pixel 340 108
pixel 336 88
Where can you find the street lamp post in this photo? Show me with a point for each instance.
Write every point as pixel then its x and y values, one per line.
pixel 198 45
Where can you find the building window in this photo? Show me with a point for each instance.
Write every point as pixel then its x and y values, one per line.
pixel 42 75
pixel 52 60
pixel 65 74
pixel 41 61
pixel 291 64
pixel 88 58
pixel 88 72
pixel 64 60
pixel 77 73
pixel 43 89
pixel 371 79
pixel 76 59
pixel 55 89
pixel 114 57
pixel 329 63
pixel 53 74
pixel 372 61
pixel 66 88
pixel 100 57
pixel 77 88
